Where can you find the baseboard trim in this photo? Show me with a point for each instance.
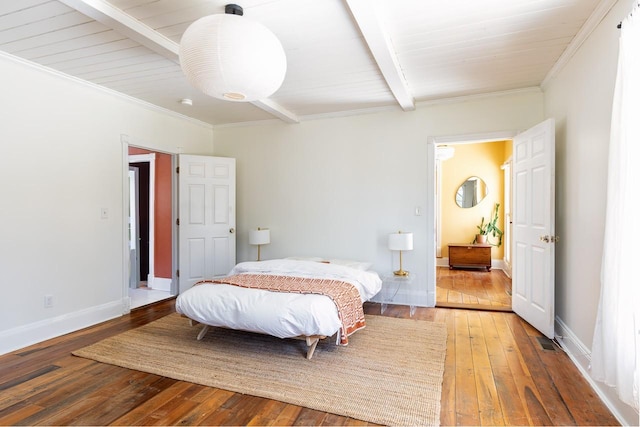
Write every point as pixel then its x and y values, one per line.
pixel 160 283
pixel 431 299
pixel 442 262
pixel 580 355
pixel 33 333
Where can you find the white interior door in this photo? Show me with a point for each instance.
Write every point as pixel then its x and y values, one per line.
pixel 533 284
pixel 207 218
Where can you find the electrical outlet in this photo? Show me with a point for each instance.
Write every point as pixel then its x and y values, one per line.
pixel 48 301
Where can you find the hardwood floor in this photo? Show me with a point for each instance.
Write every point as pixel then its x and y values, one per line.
pixel 496 373
pixel 473 288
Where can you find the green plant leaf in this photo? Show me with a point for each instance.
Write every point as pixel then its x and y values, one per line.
pixel 491 226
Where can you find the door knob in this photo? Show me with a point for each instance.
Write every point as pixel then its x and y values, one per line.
pixel 545 239
pixel 232 230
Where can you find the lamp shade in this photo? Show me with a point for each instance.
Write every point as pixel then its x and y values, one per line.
pixel 259 236
pixel 233 58
pixel 401 241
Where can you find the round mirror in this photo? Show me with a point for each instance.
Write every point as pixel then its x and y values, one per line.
pixel 471 192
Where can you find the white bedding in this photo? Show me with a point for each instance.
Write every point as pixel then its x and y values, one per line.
pixel 284 315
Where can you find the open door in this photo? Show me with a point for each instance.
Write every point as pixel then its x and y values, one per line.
pixel 207 218
pixel 533 288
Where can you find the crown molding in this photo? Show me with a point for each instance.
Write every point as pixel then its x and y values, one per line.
pixel 144 104
pixel 589 26
pixel 464 98
pixel 389 108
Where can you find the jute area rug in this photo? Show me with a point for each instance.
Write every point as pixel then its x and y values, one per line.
pixel 390 373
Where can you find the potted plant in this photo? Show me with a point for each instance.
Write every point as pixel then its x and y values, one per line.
pixel 489 228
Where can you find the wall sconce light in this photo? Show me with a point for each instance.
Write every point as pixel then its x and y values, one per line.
pixel 259 237
pixel 444 152
pixel 401 242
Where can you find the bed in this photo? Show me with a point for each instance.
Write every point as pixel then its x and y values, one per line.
pixel 310 299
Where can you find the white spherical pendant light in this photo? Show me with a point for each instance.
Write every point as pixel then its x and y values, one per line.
pixel 230 57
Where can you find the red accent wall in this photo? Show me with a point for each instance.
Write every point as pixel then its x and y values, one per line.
pixel 162 208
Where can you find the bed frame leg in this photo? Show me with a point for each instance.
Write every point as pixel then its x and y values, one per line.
pixel 203 332
pixel 312 342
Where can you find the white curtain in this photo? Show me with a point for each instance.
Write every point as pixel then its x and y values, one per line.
pixel 617 334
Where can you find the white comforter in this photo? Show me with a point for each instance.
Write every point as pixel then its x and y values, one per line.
pixel 284 315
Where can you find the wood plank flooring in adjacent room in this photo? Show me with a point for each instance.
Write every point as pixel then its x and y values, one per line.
pixel 496 373
pixel 473 288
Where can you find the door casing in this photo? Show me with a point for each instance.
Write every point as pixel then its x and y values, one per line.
pixel 544 327
pixel 151 159
pixel 431 214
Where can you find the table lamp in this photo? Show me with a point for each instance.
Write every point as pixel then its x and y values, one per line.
pixel 259 237
pixel 401 242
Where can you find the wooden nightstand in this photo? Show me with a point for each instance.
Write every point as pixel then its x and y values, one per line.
pixel 469 255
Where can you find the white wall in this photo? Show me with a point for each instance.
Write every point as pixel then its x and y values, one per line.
pixel 61 162
pixel 338 187
pixel 580 98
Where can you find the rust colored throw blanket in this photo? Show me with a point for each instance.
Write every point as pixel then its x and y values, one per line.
pixel 345 296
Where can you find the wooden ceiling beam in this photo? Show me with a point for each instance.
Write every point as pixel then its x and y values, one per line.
pixel 276 110
pixel 379 43
pixel 126 25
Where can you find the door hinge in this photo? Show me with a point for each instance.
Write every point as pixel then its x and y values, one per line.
pixel 178 273
pixel 177 221
pixel 177 169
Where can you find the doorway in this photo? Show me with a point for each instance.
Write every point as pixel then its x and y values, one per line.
pixel 139 217
pixel 532 220
pixel 150 226
pixel 472 182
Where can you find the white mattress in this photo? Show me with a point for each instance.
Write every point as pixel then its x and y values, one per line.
pixel 284 315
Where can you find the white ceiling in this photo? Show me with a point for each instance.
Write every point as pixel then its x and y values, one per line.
pixel 343 56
